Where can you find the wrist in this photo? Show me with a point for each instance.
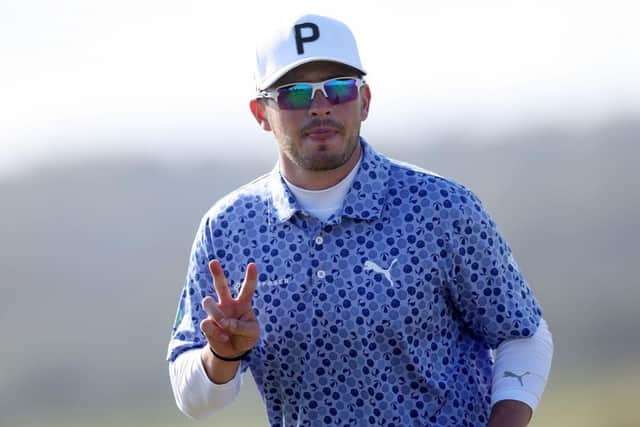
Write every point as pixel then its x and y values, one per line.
pixel 235 358
pixel 218 371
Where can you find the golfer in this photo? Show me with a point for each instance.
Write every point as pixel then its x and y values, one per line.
pixel 358 290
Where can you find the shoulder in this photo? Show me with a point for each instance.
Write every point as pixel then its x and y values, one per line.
pixel 415 180
pixel 246 201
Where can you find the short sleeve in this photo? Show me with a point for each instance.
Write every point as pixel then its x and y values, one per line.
pixel 186 333
pixel 486 285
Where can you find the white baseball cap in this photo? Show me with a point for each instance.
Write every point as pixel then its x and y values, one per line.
pixel 307 39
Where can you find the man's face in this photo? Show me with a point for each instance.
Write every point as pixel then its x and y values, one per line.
pixel 323 136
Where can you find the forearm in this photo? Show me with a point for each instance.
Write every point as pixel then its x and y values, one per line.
pixel 218 371
pixel 510 413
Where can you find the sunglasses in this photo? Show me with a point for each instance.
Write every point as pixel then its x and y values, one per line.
pixel 299 96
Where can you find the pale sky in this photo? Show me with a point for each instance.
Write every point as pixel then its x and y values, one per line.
pixel 172 79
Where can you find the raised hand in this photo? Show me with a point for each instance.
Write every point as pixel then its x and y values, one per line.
pixel 231 327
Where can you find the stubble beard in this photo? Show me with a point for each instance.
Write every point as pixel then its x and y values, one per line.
pixel 323 160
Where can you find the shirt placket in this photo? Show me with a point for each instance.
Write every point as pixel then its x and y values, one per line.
pixel 315 238
pixel 319 271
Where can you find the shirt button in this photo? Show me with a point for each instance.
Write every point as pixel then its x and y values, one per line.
pixel 321 274
pixel 319 240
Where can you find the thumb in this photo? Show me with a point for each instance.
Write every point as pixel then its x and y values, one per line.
pixel 212 331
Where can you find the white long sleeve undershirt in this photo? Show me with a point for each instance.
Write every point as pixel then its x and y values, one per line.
pixel 522 368
pixel 195 394
pixel 521 365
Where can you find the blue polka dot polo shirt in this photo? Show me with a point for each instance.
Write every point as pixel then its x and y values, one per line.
pixel 385 314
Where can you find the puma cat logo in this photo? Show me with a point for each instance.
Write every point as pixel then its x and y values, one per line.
pixel 509 374
pixel 370 265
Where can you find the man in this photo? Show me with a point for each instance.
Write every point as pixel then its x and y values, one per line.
pixel 373 291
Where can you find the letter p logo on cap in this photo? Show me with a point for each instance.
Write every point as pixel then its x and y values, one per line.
pixel 301 40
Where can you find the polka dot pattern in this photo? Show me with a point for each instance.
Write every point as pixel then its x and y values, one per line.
pixel 382 315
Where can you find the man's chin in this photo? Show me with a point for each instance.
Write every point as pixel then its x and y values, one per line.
pixel 324 158
pixel 324 154
pixel 322 163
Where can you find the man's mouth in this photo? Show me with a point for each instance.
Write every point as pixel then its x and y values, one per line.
pixel 321 132
pixel 322 129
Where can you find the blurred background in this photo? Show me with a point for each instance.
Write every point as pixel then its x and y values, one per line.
pixel 121 122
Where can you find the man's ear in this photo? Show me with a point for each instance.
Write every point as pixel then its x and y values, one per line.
pixel 365 101
pixel 260 114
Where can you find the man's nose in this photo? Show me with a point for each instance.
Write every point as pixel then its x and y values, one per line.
pixel 320 105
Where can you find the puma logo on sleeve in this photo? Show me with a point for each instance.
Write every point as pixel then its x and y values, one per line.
pixel 509 374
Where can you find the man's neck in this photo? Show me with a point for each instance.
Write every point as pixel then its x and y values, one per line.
pixel 318 180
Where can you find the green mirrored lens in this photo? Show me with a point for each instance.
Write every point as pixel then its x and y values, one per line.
pixel 343 90
pixel 295 97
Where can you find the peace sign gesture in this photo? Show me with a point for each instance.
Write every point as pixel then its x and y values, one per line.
pixel 231 327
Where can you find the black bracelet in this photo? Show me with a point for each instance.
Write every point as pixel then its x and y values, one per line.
pixel 229 359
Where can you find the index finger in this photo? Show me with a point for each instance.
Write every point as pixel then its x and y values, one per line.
pixel 219 281
pixel 249 285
